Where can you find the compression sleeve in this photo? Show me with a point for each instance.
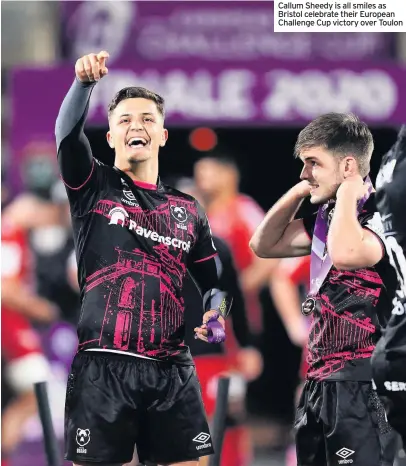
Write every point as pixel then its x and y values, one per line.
pixel 207 274
pixel 73 148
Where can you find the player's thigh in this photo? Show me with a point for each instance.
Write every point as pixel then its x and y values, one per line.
pixel 176 425
pixel 100 464
pixel 308 428
pixel 357 428
pixel 100 425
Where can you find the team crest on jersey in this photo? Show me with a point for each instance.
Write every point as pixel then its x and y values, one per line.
pixel 179 213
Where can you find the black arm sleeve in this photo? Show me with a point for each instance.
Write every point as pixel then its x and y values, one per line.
pixel 206 275
pixel 229 281
pixel 73 148
pixel 206 268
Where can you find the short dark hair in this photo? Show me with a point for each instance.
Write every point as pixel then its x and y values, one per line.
pixel 135 93
pixel 343 134
pixel 222 159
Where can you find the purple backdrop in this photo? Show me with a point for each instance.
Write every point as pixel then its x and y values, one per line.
pixel 59 343
pixel 218 93
pixel 209 31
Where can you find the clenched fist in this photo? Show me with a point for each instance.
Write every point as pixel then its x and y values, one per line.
pixel 92 67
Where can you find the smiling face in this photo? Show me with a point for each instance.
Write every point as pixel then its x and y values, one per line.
pixel 136 131
pixel 324 172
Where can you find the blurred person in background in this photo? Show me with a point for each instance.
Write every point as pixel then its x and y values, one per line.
pixel 233 217
pixel 22 355
pixel 389 358
pixel 289 285
pixel 52 243
pixel 212 361
pixel 351 287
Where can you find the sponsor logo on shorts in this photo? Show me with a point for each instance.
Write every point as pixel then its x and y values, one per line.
pixel 119 216
pixel 202 438
pixel 395 386
pixel 345 453
pixel 82 439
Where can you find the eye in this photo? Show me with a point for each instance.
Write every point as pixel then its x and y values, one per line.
pixel 313 163
pixel 124 120
pixel 148 118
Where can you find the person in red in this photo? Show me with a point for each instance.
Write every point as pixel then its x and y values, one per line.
pixel 234 217
pixel 291 275
pixel 22 354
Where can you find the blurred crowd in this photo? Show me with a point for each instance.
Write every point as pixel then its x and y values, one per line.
pixel 41 302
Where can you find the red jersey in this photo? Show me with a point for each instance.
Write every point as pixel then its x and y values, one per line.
pixel 17 337
pixel 235 222
pixel 297 269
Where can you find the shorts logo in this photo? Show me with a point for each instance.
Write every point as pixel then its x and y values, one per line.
pixel 117 216
pixel 345 453
pixel 179 213
pixel 82 439
pixel 202 438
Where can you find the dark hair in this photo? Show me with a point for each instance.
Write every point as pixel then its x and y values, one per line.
pixel 342 134
pixel 222 159
pixel 134 93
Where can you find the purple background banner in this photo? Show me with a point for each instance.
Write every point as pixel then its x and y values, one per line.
pixel 221 94
pixel 59 344
pixel 209 31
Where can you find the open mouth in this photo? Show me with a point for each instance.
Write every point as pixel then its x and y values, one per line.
pixel 137 142
pixel 313 187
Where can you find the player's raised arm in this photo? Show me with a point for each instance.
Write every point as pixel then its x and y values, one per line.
pixel 73 148
pixel 279 235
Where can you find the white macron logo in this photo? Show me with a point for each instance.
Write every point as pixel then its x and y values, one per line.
pixel 345 453
pixel 130 198
pixel 118 216
pixel 202 438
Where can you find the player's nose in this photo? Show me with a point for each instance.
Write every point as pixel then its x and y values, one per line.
pixel 304 175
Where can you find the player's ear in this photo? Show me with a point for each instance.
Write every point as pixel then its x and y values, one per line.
pixel 164 137
pixel 110 140
pixel 349 166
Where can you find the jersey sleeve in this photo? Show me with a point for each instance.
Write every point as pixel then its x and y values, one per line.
pixel 251 213
pixel 12 251
pixel 81 173
pixel 12 259
pixel 204 248
pixel 371 220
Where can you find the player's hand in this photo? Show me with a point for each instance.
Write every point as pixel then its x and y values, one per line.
pixel 302 189
pixel 201 332
pixel 250 363
pixel 92 67
pixel 353 186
